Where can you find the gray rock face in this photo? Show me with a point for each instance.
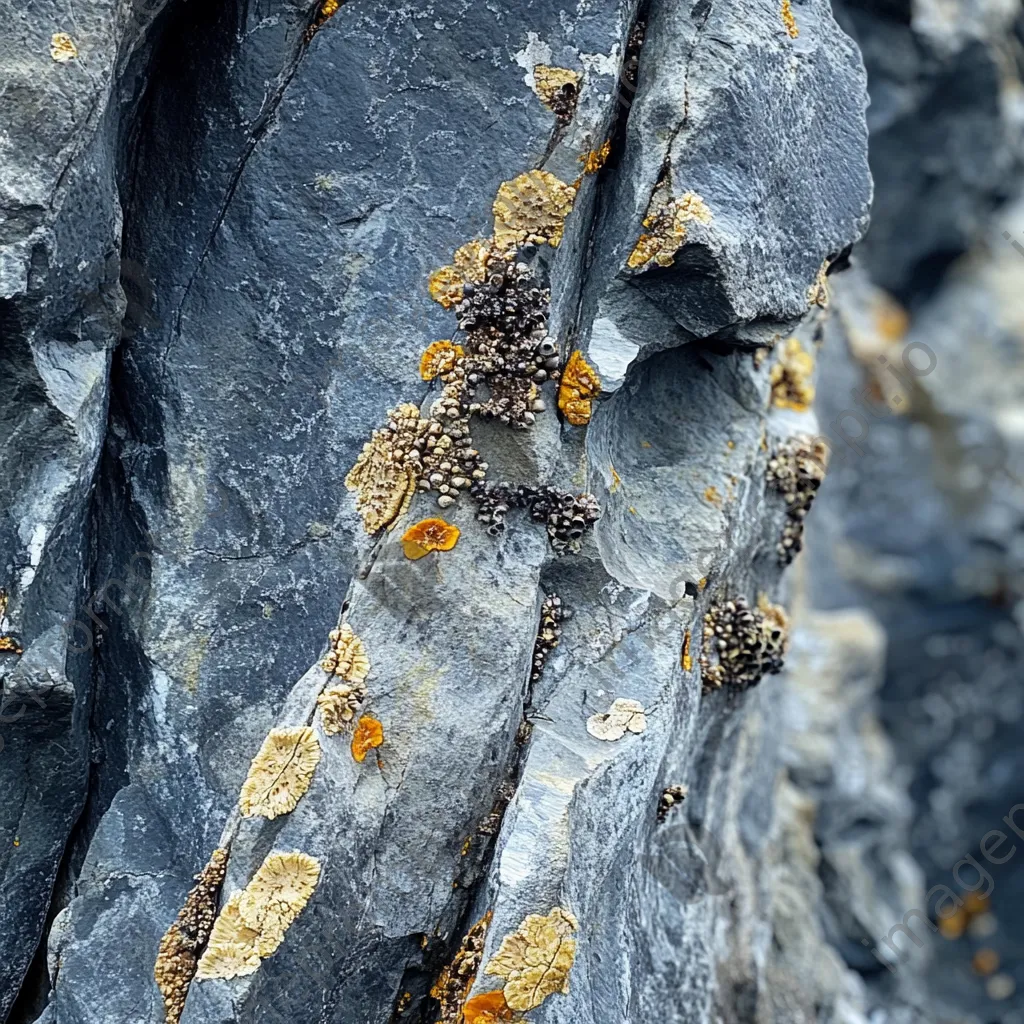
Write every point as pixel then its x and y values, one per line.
pixel 273 188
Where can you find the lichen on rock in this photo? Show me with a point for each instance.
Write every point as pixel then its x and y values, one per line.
pixel 558 89
pixel 623 716
pixel 339 706
pixel 457 977
pixel 280 773
pixel 579 386
pixel 532 208
pixel 368 735
pixel 535 960
pixel 254 921
pixel 665 225
pixel 347 658
pixel 429 535
pixel 792 377
pixel 178 955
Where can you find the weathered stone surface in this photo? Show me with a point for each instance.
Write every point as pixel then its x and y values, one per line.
pixel 274 202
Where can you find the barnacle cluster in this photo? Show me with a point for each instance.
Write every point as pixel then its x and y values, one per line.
pixel 796 471
pixel 9 643
pixel 566 516
pixel 665 226
pixel 280 773
pixel 469 266
pixel 558 89
pixel 580 384
pixel 791 377
pixel 456 978
pixel 671 797
pixel 535 960
pixel 339 706
pixel 179 949
pixel 742 644
pixel 548 634
pixel 254 920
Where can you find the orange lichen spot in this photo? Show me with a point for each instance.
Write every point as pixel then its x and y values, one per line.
pixel 891 319
pixel 467 846
pixel 985 962
pixel 10 645
pixel 456 978
pixel 616 479
pixel 62 47
pixel 596 158
pixel 535 960
pixel 440 357
pixel 328 8
pixel 368 735
pixel 254 920
pixel 817 293
pixel 532 209
pixel 580 384
pixel 952 926
pixel 280 773
pixel 788 20
pixel 667 221
pixel 487 1008
pixel 429 535
pixel 469 265
pixel 178 954
pixel 976 903
pixel 557 88
pixel 712 496
pixel 686 659
pixel 792 386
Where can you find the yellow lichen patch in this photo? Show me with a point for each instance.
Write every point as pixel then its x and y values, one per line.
pixel 440 357
pixel 666 222
pixel 253 923
pixel 712 497
pixel 788 20
pixel 623 716
pixel 487 1008
pixel 62 47
pixel 369 734
pixel 536 959
pixel 702 582
pixel 686 659
pixel 178 954
pixel 580 384
pixel 596 158
pixel 456 979
pixel 557 88
pixel 891 319
pixel 532 208
pixel 616 480
pixel 328 8
pixel 339 706
pixel 280 773
pixel 469 265
pixel 347 657
pixel 8 644
pixel 792 387
pixel 384 476
pixel 817 293
pixel 429 535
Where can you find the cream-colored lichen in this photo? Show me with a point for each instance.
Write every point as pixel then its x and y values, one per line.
pixel 557 88
pixel 623 716
pixel 385 473
pixel 535 960
pixel 347 659
pixel 339 706
pixel 253 923
pixel 532 209
pixel 666 224
pixel 178 954
pixel 469 265
pixel 817 293
pixel 792 377
pixel 62 48
pixel 280 773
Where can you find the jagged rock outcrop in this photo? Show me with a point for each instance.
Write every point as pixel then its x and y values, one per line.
pixel 275 187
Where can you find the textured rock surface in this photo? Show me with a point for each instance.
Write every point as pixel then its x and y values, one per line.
pixel 214 266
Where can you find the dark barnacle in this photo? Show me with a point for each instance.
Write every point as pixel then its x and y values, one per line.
pixel 549 633
pixel 567 517
pixel 742 644
pixel 671 798
pixel 796 471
